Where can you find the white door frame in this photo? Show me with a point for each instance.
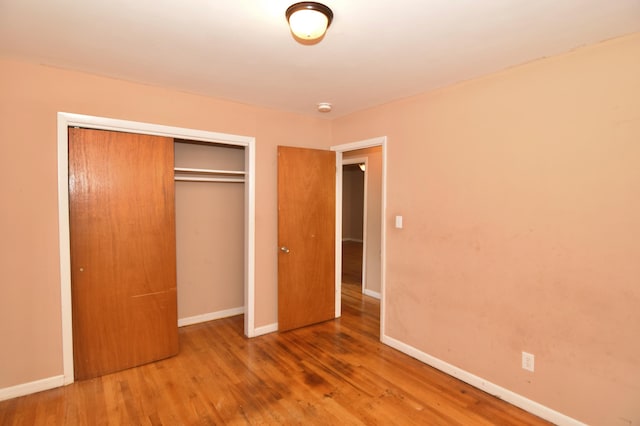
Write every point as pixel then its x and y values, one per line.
pixel 339 149
pixel 365 161
pixel 66 120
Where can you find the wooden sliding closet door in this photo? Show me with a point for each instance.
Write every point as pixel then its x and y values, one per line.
pixel 123 250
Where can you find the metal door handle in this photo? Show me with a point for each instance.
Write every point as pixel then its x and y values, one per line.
pixel 284 249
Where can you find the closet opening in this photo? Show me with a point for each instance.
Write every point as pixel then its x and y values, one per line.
pixel 209 198
pixel 237 170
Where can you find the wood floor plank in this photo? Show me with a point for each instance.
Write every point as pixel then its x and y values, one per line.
pixel 336 372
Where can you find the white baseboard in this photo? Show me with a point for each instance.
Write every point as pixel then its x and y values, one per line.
pixel 265 329
pixel 31 387
pixel 482 384
pixel 210 316
pixel 372 293
pixel 57 381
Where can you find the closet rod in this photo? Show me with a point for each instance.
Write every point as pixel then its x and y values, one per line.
pixel 206 179
pixel 207 171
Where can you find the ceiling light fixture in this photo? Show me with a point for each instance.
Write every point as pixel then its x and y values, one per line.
pixel 309 20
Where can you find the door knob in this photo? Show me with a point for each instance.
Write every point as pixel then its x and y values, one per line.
pixel 284 249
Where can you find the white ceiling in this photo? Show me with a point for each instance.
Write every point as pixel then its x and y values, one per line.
pixel 375 51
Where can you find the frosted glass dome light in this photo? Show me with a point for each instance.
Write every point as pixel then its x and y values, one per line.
pixel 309 20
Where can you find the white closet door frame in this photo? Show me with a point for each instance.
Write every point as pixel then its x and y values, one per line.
pixel 66 120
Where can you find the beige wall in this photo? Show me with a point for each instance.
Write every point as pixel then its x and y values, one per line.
pixel 31 95
pixel 520 194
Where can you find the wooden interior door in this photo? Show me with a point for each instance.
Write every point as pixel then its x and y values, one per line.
pixel 306 236
pixel 123 256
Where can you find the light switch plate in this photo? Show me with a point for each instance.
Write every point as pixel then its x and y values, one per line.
pixel 528 361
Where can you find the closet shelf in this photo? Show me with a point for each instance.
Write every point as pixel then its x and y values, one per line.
pixel 188 170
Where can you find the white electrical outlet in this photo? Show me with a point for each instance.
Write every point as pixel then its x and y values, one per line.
pixel 528 361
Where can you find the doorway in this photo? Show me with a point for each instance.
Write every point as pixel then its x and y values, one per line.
pixel 371 153
pixel 66 120
pixel 354 213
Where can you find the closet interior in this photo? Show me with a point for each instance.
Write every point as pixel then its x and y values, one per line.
pixel 209 198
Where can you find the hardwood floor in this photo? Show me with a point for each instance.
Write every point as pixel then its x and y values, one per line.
pixel 352 262
pixel 336 372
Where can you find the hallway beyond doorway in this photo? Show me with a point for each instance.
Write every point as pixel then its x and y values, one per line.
pixel 352 262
